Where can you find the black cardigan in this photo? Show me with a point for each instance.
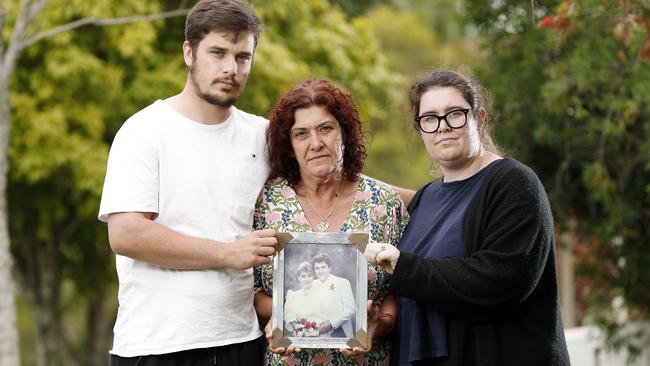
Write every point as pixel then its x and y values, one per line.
pixel 501 299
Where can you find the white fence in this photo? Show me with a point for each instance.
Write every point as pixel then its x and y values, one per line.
pixel 587 348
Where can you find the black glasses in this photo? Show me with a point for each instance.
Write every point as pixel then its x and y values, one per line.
pixel 430 123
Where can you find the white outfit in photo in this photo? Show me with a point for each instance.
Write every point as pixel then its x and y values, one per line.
pixel 341 307
pixel 310 304
pixel 199 180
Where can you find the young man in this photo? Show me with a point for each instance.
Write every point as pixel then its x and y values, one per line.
pixel 182 178
pixel 340 290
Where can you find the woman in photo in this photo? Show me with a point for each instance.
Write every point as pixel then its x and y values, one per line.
pixel 306 309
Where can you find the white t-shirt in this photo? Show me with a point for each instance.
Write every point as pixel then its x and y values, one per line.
pixel 201 180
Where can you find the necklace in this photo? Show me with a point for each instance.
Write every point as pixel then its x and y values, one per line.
pixel 323 225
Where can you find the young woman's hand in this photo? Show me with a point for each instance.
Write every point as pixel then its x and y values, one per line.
pixel 382 254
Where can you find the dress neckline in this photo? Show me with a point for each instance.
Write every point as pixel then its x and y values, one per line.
pixel 361 186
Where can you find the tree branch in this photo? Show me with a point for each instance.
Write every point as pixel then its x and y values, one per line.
pixel 183 4
pixel 35 7
pixel 102 22
pixel 532 11
pixel 29 9
pixel 3 17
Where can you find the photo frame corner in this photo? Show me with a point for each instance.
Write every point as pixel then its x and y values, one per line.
pixel 360 240
pixel 279 340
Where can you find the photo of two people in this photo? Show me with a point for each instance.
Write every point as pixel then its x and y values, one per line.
pixel 319 300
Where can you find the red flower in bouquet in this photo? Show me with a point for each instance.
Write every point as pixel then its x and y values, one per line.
pixel 304 328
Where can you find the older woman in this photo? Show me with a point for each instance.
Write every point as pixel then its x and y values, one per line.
pixel 475 272
pixel 316 156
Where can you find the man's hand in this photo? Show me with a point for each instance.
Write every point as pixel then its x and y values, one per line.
pixel 382 254
pixel 136 235
pixel 252 250
pixel 324 327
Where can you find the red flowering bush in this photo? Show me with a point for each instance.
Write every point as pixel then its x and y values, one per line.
pixel 561 20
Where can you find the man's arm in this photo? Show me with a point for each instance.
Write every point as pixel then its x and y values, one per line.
pixel 135 235
pixel 405 194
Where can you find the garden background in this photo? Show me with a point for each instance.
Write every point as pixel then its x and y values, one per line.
pixel 570 82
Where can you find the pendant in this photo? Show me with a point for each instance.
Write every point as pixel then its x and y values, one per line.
pixel 322 226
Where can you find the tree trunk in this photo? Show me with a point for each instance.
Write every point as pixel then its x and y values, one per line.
pixel 46 321
pixel 567 275
pixel 100 326
pixel 9 344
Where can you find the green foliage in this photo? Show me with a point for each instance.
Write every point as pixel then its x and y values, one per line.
pixel 571 93
pixel 414 39
pixel 69 95
pixel 358 7
pixel 312 39
pixel 391 24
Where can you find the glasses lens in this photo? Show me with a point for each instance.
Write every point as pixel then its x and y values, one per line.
pixel 456 119
pixel 429 123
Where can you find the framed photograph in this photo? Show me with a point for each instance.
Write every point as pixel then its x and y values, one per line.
pixel 320 291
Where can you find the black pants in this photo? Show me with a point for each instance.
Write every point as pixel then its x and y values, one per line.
pixel 249 353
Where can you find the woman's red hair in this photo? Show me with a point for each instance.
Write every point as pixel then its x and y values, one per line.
pixel 305 94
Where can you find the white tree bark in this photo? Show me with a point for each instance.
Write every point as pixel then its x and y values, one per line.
pixel 9 343
pixel 9 350
pixel 9 55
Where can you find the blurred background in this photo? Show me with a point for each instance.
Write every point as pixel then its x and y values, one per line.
pixel 570 82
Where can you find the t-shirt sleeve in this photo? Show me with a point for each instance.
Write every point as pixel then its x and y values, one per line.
pixel 131 183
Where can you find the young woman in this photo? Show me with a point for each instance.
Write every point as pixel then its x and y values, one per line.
pixel 475 270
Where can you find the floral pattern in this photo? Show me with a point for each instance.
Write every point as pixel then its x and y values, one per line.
pixel 377 210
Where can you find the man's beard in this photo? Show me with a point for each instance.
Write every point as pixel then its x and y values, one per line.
pixel 211 98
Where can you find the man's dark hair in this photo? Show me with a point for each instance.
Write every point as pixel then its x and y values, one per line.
pixel 321 257
pixel 220 15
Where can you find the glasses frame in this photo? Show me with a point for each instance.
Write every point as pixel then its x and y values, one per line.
pixel 440 118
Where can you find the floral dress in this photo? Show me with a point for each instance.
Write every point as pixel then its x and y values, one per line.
pixel 377 210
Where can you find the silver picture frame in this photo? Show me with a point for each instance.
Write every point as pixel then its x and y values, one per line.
pixel 348 262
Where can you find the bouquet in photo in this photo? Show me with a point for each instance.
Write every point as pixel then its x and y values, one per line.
pixel 302 327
